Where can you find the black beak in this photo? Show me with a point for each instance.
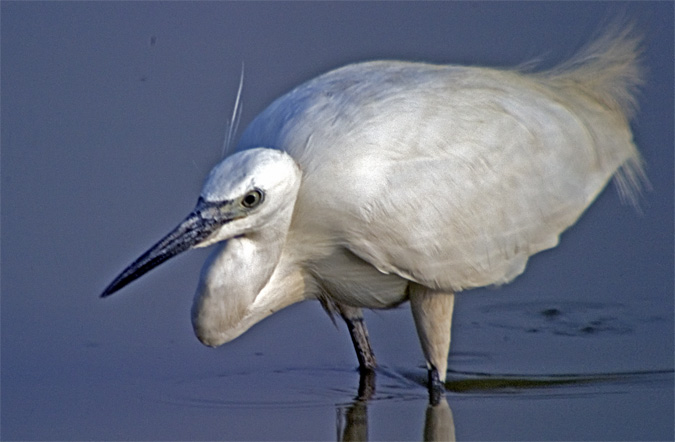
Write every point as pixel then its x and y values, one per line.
pixel 199 225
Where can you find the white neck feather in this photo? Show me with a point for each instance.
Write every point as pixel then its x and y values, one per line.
pixel 244 280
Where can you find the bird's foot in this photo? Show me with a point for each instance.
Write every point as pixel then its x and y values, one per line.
pixel 366 384
pixel 436 387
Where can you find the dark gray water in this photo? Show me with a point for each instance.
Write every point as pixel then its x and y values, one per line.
pixel 113 114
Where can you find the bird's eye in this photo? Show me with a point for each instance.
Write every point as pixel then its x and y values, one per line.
pixel 252 199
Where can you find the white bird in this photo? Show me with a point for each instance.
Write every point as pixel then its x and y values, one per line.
pixel 385 182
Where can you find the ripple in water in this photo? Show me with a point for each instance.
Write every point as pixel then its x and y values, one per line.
pixel 564 319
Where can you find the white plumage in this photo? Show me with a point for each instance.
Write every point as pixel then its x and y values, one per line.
pixel 388 181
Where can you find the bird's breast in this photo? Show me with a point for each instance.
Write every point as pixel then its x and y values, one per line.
pixel 343 277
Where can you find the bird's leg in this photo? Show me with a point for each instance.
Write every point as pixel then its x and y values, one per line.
pixel 356 325
pixel 357 330
pixel 432 312
pixel 366 385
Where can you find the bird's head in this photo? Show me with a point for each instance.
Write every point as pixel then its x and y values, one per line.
pixel 244 194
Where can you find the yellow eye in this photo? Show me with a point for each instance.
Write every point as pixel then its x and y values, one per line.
pixel 252 199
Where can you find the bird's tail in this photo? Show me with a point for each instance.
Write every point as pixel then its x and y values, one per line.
pixel 610 70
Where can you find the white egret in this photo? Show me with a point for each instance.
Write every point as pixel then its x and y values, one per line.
pixel 384 182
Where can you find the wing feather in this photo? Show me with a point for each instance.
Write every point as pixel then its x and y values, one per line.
pixel 453 176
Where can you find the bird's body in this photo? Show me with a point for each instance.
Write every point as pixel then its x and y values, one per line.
pixel 389 181
pixel 448 176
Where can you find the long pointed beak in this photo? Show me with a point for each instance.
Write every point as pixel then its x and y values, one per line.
pixel 199 225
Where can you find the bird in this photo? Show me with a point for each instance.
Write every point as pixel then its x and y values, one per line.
pixel 384 182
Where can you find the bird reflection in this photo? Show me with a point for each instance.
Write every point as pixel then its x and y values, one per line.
pixel 352 422
pixel 352 419
pixel 439 424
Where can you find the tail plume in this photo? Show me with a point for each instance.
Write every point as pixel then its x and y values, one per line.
pixel 610 70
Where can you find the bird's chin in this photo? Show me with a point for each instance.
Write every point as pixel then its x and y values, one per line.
pixel 210 340
pixel 213 239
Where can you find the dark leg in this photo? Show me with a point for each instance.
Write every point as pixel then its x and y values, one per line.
pixel 357 330
pixel 436 387
pixel 366 385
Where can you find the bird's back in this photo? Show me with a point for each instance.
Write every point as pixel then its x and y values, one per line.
pixel 453 176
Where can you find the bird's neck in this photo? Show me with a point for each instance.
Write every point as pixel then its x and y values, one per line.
pixel 234 275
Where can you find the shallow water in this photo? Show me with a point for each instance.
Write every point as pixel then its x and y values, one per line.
pixel 271 394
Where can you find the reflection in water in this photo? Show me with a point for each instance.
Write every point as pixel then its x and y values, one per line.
pixel 306 405
pixel 352 420
pixel 439 424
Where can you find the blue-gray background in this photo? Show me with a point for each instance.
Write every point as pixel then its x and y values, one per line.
pixel 114 112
